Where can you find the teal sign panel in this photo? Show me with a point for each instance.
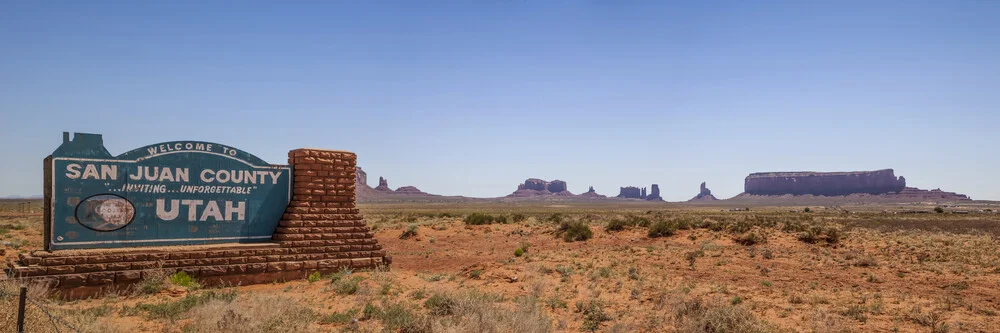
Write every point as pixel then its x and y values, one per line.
pixel 171 193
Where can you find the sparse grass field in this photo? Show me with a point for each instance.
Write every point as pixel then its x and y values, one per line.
pixel 532 267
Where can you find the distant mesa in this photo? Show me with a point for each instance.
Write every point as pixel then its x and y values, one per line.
pixel 916 193
pixel 534 187
pixel 382 192
pixel 879 182
pixel 704 195
pixel 409 190
pixel 824 183
pixel 632 192
pixel 592 194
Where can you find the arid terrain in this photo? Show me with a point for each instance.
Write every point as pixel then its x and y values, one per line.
pixel 578 266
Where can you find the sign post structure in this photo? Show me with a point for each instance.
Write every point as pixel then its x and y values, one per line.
pixel 172 193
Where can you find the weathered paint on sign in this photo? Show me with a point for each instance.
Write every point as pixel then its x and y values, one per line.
pixel 172 193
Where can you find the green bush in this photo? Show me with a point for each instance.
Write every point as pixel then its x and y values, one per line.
pixel 938 210
pixel 518 252
pixel 182 279
pixel 556 217
pixel 662 229
pixel 518 218
pixel 315 276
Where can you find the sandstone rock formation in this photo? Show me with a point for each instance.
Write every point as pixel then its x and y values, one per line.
pixel 360 176
pixel 383 185
pixel 632 192
pixel 363 190
pixel 409 190
pixel 654 193
pixel 935 194
pixel 823 183
pixel 536 187
pixel 592 194
pixel 704 194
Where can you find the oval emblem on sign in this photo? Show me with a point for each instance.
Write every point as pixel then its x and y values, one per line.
pixel 105 212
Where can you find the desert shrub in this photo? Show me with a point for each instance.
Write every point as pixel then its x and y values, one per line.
pixel 564 271
pixel 633 273
pixel 315 276
pixel 153 281
pixel 740 227
pixel 807 210
pixel 483 218
pixel 661 229
pixel 833 235
pixel 173 310
pixel 697 317
pixel 638 221
pixel 476 273
pixel 593 316
pixel 411 231
pixel 252 314
pixel 518 252
pixel 556 218
pixel 938 210
pixel 398 317
pixel 866 260
pixel 575 231
pixel 347 286
pixel 750 238
pixel 474 312
pixel 518 218
pixel 337 318
pixel 810 235
pixel 440 305
pixel 716 226
pixel 616 225
pixel 182 279
pixel 693 256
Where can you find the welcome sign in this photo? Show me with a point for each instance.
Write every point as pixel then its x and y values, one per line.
pixel 172 193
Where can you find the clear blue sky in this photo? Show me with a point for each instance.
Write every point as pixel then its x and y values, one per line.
pixel 472 97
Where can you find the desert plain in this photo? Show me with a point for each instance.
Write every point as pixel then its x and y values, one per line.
pixel 571 266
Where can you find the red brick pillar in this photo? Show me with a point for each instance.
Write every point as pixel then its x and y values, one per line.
pixel 322 218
